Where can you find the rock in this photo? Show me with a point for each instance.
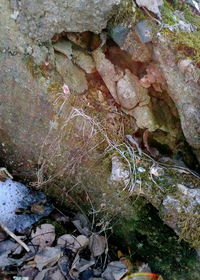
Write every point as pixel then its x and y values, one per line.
pixel 119 34
pixel 50 273
pixel 56 275
pixel 84 61
pixel 130 93
pixel 144 31
pixel 29 273
pixel 63 265
pixel 178 211
pixel 10 248
pixel 126 92
pixel 154 78
pixel 129 40
pixel 64 47
pixel 181 26
pixel 144 117
pixel 79 265
pixel 15 196
pixel 190 71
pixel 107 71
pixel 119 173
pixel 194 4
pixel 86 275
pixel 151 5
pixel 73 76
pixel 136 48
pixel 183 93
pixel 97 245
pixel 42 20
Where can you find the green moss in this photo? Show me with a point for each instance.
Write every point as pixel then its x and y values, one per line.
pixel 192 17
pixel 151 241
pixel 55 87
pixel 186 43
pixel 167 14
pixel 190 228
pixel 124 14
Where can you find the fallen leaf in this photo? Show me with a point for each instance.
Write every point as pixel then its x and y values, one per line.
pixel 63 265
pixel 10 247
pixel 82 223
pixel 43 236
pixel 30 272
pixel 114 271
pixel 47 257
pixel 97 244
pixel 79 265
pixel 71 242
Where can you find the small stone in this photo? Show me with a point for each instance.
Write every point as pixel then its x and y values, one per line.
pixel 107 71
pixel 144 117
pixel 136 48
pixel 84 61
pixel 119 34
pixel 64 47
pixel 71 242
pixel 119 173
pixel 73 76
pixel 144 31
pixel 130 93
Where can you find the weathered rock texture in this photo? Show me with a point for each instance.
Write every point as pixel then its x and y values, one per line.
pixel 184 93
pixel 42 19
pixel 64 103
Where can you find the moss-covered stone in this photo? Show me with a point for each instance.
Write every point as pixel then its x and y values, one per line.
pixel 153 242
pixel 187 43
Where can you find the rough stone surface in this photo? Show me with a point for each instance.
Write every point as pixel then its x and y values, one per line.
pixel 130 93
pixel 151 5
pixel 13 196
pixel 184 94
pixel 43 126
pixel 181 212
pixel 73 76
pixel 40 20
pixel 84 61
pixel 145 118
pixel 144 31
pixel 107 71
pixel 138 50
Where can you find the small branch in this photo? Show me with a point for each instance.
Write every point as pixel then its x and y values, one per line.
pixel 16 238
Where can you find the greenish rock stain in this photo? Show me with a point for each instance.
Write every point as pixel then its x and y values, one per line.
pixel 153 242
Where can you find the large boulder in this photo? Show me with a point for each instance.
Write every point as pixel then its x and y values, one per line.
pixel 42 19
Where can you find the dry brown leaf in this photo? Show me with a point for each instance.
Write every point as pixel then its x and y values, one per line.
pixel 43 236
pixel 97 244
pixel 71 242
pixel 47 257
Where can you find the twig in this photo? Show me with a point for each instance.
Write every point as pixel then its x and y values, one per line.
pixel 16 238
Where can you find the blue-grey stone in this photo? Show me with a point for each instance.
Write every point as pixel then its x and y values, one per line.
pixel 144 31
pixel 119 34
